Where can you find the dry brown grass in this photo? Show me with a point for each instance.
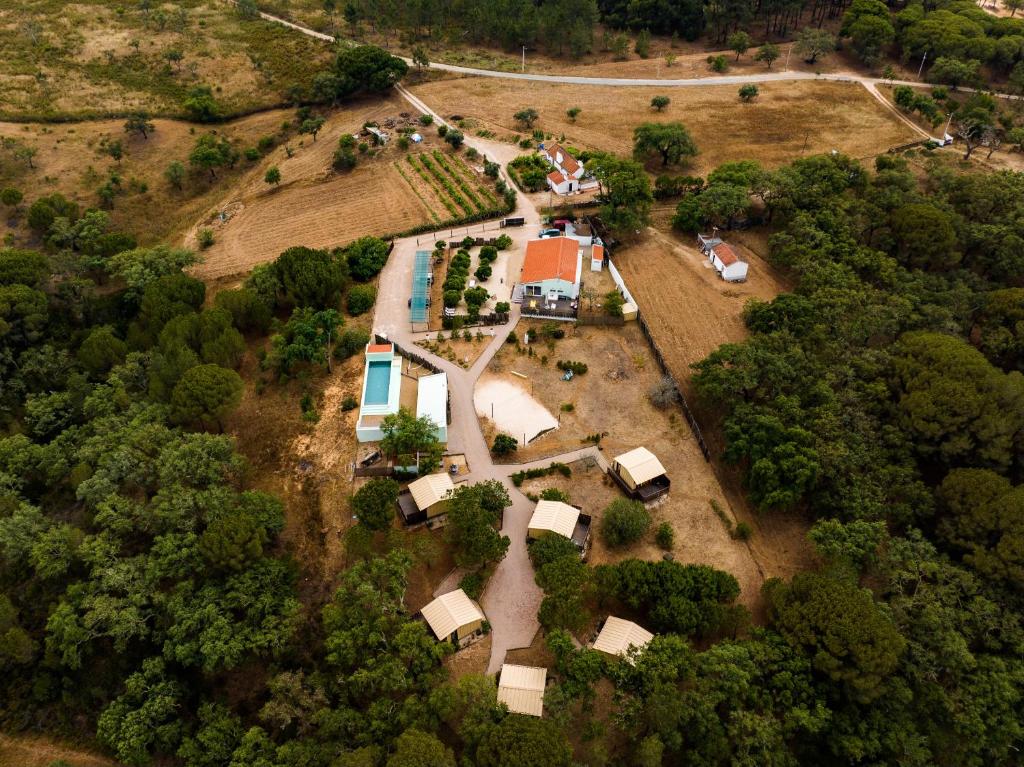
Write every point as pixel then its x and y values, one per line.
pixel 38 751
pixel 94 58
pixel 312 206
pixel 612 398
pixel 70 160
pixel 787 120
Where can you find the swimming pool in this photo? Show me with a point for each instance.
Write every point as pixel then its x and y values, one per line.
pixel 378 381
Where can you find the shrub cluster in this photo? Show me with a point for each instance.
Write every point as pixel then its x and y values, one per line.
pixel 520 476
pixel 578 368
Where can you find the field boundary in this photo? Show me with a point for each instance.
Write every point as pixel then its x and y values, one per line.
pixel 691 419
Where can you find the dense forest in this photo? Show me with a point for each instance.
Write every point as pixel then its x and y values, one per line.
pixel 958 37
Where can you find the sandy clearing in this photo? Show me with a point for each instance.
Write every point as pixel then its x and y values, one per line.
pixel 511 408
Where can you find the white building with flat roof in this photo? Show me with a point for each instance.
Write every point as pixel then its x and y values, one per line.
pixel 432 401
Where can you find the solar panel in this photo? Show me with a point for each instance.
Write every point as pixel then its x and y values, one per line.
pixel 420 289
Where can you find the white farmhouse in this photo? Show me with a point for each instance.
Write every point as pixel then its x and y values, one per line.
pixel 568 175
pixel 730 267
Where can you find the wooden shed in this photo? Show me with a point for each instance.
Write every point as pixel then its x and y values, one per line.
pixel 453 617
pixel 521 688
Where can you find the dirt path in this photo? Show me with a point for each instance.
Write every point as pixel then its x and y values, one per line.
pixel 710 79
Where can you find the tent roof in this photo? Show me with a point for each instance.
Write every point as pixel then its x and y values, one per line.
pixel 555 516
pixel 642 465
pixel 432 398
pixel 521 688
pixel 428 490
pixel 618 635
pixel 450 611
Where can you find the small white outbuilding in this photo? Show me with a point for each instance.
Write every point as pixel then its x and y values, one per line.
pixel 727 263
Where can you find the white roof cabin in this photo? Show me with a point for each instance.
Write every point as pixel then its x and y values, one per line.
pixel 618 635
pixel 553 517
pixel 452 613
pixel 640 464
pixel 431 489
pixel 521 688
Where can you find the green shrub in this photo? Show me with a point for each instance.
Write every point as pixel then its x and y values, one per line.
pixel 665 537
pixel 742 532
pixel 351 342
pixel 578 368
pixel 504 444
pixel 349 403
pixel 361 299
pixel 472 584
pixel 205 238
pixel 503 242
pixel 554 494
pixel 623 522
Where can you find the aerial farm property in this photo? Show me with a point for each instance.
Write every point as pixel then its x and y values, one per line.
pixel 519 384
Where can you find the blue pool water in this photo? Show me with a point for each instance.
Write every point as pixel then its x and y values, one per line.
pixel 378 380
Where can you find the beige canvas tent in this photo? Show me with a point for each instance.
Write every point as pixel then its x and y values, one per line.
pixel 618 635
pixel 453 616
pixel 521 688
pixel 427 498
pixel 553 517
pixel 640 473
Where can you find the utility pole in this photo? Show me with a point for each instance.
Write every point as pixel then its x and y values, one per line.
pixel 524 58
pixel 920 69
pixel 788 54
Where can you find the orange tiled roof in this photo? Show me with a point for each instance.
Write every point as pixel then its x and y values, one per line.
pixel 556 177
pixel 725 254
pixel 378 348
pixel 550 259
pixel 568 163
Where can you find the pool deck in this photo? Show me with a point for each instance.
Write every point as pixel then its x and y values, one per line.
pixel 372 412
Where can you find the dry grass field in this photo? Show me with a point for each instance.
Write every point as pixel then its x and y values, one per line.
pixel 612 398
pixel 312 206
pixel 37 751
pixel 316 207
pixel 95 58
pixel 70 160
pixel 787 120
pixel 690 310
